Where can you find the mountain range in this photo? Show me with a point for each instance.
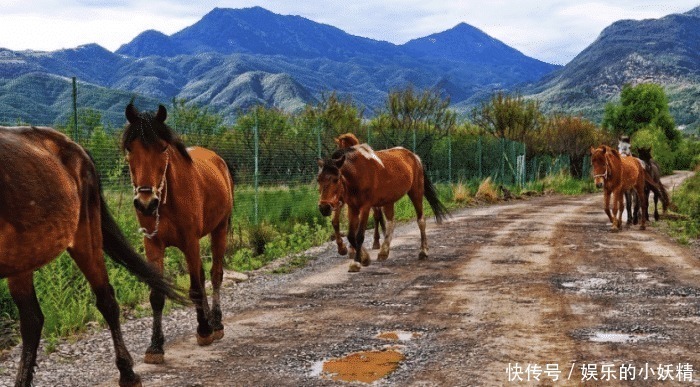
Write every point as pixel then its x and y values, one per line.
pixel 232 59
pixel 665 51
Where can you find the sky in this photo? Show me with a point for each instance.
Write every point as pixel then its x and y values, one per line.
pixel 550 30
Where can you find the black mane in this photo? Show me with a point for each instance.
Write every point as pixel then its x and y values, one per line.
pixel 149 128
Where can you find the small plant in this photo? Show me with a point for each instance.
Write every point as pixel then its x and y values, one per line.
pixel 487 191
pixel 260 235
pixel 461 194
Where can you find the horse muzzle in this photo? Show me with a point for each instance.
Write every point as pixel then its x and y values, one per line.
pixel 599 185
pixel 325 209
pixel 146 206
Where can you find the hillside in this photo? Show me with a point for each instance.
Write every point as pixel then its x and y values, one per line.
pixel 234 58
pixel 664 51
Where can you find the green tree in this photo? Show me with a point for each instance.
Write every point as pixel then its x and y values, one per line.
pixel 654 138
pixel 414 119
pixel 197 125
pixel 332 116
pixel 640 106
pixel 506 116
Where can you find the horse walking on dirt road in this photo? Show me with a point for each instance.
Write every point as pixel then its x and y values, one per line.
pixel 660 192
pixel 51 201
pixel 616 175
pixel 364 179
pixel 346 141
pixel 180 195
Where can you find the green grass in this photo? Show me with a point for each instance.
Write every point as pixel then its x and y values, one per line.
pixel 686 227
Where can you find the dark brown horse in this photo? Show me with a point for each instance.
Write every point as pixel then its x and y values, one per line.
pixel 653 169
pixel 50 201
pixel 180 195
pixel 616 175
pixel 364 179
pixel 346 141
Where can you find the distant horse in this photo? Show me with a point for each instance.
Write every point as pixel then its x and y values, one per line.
pixel 653 169
pixel 616 175
pixel 364 179
pixel 180 195
pixel 50 201
pixel 346 141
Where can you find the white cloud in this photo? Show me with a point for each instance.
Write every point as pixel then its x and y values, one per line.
pixel 550 30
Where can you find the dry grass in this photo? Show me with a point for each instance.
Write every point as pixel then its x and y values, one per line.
pixel 461 194
pixel 487 191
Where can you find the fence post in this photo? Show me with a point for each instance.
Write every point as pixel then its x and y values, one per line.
pixel 76 135
pixel 503 160
pixel 257 171
pixel 449 155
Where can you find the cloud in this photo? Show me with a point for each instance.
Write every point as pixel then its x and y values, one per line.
pixel 550 30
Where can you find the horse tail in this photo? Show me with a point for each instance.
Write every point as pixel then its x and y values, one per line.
pixel 115 244
pixel 431 196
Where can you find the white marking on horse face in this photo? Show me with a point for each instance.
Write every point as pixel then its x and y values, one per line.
pixel 366 151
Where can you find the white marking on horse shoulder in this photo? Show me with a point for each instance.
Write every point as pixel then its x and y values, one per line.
pixel 366 151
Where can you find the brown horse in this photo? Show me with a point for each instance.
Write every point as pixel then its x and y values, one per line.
pixel 364 179
pixel 50 201
pixel 616 175
pixel 660 192
pixel 346 141
pixel 181 195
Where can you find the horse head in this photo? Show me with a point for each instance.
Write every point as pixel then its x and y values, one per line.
pixel 601 168
pixel 346 140
pixel 644 153
pixel 330 185
pixel 147 143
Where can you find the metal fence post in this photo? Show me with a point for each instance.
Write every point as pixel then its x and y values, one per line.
pixel 257 171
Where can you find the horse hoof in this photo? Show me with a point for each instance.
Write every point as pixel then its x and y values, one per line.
pixel 642 227
pixel 382 256
pixel 615 229
pixel 154 358
pixel 375 245
pixel 364 260
pixel 343 250
pixel 203 341
pixel 134 381
pixel 354 267
pixel 422 255
pixel 218 334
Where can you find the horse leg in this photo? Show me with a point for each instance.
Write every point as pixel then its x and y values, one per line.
pixel 198 293
pixel 155 251
pixel 31 321
pixel 617 206
pixel 606 199
pixel 417 200
pixel 342 250
pixel 628 206
pixel 218 249
pixel 644 204
pixel 378 222
pixel 656 205
pixel 356 236
pixel 384 252
pixel 88 256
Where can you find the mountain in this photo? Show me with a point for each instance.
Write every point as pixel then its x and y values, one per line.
pixel 665 51
pixel 232 59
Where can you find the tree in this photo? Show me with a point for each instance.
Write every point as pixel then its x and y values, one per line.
pixel 511 117
pixel 196 125
pixel 572 136
pixel 332 116
pixel 640 106
pixel 414 119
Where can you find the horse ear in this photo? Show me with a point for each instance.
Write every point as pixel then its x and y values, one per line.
pixel 162 114
pixel 592 149
pixel 337 141
pixel 132 114
pixel 339 162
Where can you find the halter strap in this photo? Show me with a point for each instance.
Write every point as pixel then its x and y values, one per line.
pixel 162 187
pixel 605 174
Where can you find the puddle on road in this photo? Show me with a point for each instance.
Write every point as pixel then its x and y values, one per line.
pixel 365 367
pixel 616 337
pixel 398 336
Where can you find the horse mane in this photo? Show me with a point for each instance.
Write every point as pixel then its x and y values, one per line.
pixel 149 127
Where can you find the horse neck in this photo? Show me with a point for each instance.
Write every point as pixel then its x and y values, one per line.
pixel 177 175
pixel 614 164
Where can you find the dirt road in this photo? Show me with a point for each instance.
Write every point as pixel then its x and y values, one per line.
pixel 536 291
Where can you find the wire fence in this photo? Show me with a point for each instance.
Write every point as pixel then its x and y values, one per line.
pixel 266 155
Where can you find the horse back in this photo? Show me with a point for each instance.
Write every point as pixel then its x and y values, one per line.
pixel 45 184
pixel 632 171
